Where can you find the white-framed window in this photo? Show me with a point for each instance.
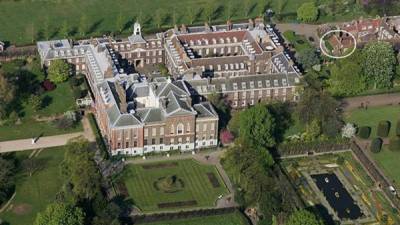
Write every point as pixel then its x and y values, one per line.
pixel 180 128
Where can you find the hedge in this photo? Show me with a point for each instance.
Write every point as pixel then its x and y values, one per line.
pixel 394 144
pixel 383 129
pixel 398 128
pixel 364 132
pixel 376 145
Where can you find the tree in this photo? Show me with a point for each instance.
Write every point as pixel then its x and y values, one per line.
pixel 159 17
pixel 302 217
pixel 60 214
pixel 379 64
pixel 349 130
pixel 307 12
pixel 209 12
pixel 58 71
pixel 80 170
pixel 192 13
pixel 222 108
pixel 31 165
pixel 36 102
pixel 308 57
pixel 247 4
pixel 83 25
pixel 6 180
pixel 64 30
pixel 120 22
pixel 257 126
pixel 30 32
pixel 226 137
pixel 229 11
pixel 347 77
pixel 7 94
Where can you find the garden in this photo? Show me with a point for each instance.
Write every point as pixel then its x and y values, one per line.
pixel 352 171
pixel 35 106
pixel 166 186
pixel 37 183
pixel 235 218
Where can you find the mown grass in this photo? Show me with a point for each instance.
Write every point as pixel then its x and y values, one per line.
pixel 227 219
pixel 196 185
pixel 373 115
pixel 19 18
pixel 34 193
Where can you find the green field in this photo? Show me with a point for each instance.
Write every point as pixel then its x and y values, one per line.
pixel 34 193
pixel 299 42
pixel 373 115
pixel 389 162
pixel 143 184
pixel 226 219
pixel 25 20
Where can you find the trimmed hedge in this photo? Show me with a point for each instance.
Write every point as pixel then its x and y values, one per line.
pixel 364 132
pixel 394 144
pixel 376 145
pixel 383 129
pixel 398 128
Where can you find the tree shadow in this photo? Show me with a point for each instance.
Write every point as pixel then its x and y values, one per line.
pixel 46 101
pixel 95 26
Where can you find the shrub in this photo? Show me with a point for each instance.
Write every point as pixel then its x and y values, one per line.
pixel 398 128
pixel 75 81
pixel 376 145
pixel 394 144
pixel 383 129
pixel 79 93
pixel 48 85
pixel 64 123
pixel 364 132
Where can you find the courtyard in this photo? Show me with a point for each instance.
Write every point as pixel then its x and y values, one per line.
pixel 171 185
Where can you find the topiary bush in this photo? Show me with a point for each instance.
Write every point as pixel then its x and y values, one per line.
pixel 398 128
pixel 394 144
pixel 364 132
pixel 376 145
pixel 383 129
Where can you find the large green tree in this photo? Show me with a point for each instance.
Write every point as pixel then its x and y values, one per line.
pixel 60 214
pixel 307 12
pixel 7 94
pixel 81 170
pixel 6 181
pixel 58 71
pixel 379 64
pixel 302 217
pixel 308 57
pixel 347 77
pixel 257 126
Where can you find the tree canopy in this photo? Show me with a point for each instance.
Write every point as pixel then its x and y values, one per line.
pixel 302 217
pixel 6 181
pixel 257 126
pixel 7 94
pixel 60 214
pixel 307 12
pixel 379 62
pixel 58 71
pixel 81 170
pixel 347 77
pixel 308 57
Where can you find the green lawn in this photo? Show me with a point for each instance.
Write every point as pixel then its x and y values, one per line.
pixel 226 219
pixel 389 162
pixel 34 193
pixel 56 102
pixel 102 15
pixel 373 115
pixel 193 181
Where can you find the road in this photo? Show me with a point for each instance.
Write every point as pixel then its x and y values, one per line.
pixel 48 141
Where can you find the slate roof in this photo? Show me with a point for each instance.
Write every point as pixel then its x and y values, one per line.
pixel 205 110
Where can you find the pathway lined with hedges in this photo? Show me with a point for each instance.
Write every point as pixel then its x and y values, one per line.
pixel 349 104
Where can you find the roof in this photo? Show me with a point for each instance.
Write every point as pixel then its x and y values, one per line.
pixel 174 105
pixel 205 110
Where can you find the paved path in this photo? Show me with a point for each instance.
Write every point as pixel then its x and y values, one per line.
pixel 213 158
pixel 349 104
pixel 48 141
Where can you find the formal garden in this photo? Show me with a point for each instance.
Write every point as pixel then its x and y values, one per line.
pixel 40 20
pixel 381 125
pixel 35 105
pixel 373 204
pixel 171 185
pixel 235 218
pixel 37 182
